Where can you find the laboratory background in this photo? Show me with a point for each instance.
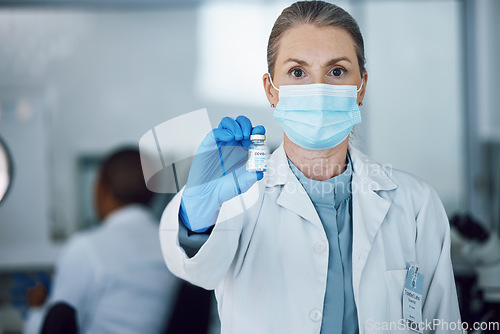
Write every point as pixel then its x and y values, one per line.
pixel 81 78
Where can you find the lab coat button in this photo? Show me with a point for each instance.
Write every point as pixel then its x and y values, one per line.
pixel 315 315
pixel 320 247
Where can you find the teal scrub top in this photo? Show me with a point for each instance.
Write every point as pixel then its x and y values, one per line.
pixel 333 202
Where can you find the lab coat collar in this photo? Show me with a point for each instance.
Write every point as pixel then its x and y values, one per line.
pixel 370 173
pixel 293 195
pixel 368 209
pixel 376 176
pixel 277 168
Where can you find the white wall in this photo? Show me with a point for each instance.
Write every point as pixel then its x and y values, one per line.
pixel 415 102
pixel 487 50
pixel 24 212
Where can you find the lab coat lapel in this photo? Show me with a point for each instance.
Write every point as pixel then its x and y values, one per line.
pixel 293 195
pixel 368 209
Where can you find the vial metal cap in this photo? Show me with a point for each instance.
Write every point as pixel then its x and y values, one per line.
pixel 257 137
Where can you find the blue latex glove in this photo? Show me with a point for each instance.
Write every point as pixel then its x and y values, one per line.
pixel 218 172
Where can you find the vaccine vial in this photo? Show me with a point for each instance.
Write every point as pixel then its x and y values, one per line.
pixel 258 153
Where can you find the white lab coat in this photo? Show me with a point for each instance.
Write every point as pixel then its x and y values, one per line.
pixel 114 277
pixel 267 256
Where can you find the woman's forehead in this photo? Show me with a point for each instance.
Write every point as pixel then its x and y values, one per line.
pixel 309 41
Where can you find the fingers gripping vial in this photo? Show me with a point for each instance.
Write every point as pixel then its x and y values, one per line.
pixel 219 171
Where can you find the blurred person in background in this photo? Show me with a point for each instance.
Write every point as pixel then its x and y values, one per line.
pixel 111 279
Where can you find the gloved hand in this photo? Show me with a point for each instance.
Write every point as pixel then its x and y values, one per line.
pixel 218 172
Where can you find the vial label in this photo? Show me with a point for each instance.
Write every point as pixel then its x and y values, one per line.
pixel 257 160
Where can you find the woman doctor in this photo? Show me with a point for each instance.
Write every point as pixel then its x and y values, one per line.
pixel 326 240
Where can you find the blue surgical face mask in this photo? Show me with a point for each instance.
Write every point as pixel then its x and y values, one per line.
pixel 317 116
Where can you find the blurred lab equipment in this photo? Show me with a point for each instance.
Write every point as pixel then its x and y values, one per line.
pixel 29 290
pixel 482 250
pixel 6 169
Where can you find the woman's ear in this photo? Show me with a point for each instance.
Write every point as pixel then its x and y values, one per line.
pixel 271 92
pixel 361 94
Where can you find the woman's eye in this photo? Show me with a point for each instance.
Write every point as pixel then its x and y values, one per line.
pixel 337 71
pixel 297 72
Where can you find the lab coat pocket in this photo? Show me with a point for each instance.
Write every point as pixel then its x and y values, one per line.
pixel 395 285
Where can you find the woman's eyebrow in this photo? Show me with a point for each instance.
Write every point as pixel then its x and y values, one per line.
pixel 295 60
pixel 329 63
pixel 336 60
